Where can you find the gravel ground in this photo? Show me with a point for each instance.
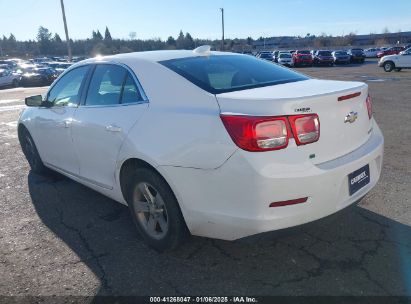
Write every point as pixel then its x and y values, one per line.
pixel 59 238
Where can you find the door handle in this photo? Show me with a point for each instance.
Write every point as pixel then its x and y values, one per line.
pixel 64 124
pixel 113 128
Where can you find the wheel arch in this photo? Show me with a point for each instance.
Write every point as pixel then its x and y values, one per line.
pixel 389 61
pixel 20 129
pixel 133 163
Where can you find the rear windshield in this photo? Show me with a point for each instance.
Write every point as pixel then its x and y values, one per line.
pixel 283 55
pixel 228 73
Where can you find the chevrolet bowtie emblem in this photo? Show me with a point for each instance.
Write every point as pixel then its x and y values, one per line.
pixel 351 117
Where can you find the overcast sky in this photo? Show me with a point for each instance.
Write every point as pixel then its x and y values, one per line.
pixel 202 19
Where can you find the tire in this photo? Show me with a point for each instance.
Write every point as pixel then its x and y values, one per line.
pixel 389 66
pixel 398 69
pixel 15 83
pixel 155 210
pixel 30 152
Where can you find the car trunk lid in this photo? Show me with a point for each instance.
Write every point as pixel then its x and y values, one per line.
pixel 337 135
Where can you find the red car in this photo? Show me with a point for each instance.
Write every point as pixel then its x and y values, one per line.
pixel 302 58
pixel 391 51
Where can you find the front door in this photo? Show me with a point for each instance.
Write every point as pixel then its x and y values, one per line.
pixel 405 59
pixel 53 123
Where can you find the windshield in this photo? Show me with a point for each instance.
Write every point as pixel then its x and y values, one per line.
pixel 265 55
pixel 324 53
pixel 228 73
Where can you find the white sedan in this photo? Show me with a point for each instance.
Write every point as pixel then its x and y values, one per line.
pixel 214 144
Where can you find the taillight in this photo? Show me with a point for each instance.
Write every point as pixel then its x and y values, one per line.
pixel 306 128
pixel 368 101
pixel 258 134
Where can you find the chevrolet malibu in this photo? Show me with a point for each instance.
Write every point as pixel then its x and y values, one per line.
pixel 214 144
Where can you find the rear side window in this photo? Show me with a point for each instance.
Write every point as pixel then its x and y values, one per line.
pixel 111 85
pixel 228 73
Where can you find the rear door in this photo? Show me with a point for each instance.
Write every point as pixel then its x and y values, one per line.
pixel 113 104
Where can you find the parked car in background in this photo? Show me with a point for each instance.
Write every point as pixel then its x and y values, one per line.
pixel 302 58
pixel 78 58
pixel 25 67
pixel 391 51
pixel 323 57
pixel 341 57
pixel 41 60
pixel 356 55
pixel 38 77
pixel 371 53
pixel 275 56
pixel 396 62
pixel 59 67
pixel 262 148
pixel 266 56
pixel 10 63
pixel 285 59
pixel 312 52
pixel 8 78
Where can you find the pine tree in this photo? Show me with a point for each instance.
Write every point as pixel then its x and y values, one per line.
pixel 57 38
pixel 171 41
pixel 107 35
pixel 180 41
pixel 188 41
pixel 99 36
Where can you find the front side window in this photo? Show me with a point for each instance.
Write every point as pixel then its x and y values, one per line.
pixel 66 91
pixel 111 85
pixel 228 73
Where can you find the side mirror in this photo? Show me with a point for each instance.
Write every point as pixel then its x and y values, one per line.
pixel 34 101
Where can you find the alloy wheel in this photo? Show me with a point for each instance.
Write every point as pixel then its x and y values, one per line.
pixel 151 212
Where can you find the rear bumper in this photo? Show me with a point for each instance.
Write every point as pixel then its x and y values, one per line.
pixel 325 61
pixel 302 61
pixel 233 201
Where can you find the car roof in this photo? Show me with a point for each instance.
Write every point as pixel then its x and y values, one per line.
pixel 154 56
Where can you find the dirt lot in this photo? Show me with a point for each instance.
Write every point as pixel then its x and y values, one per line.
pixel 60 238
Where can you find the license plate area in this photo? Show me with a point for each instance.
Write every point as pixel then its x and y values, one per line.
pixel 358 179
